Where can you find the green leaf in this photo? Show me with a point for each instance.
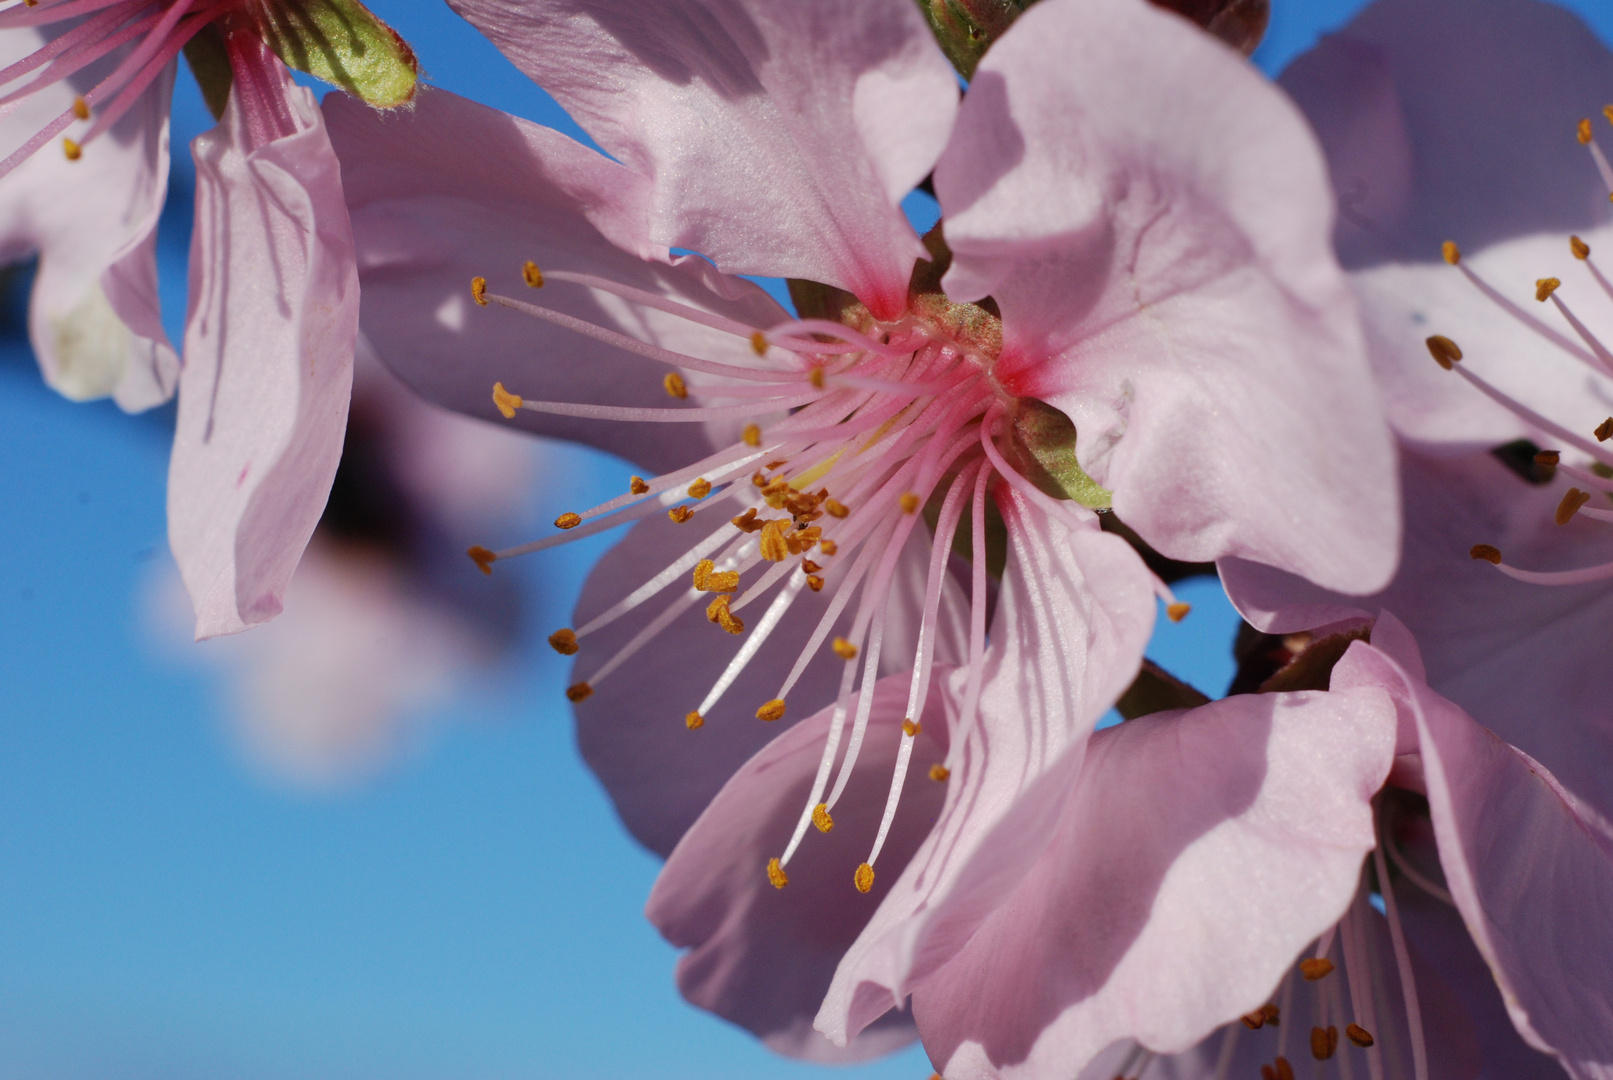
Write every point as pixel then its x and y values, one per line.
pixel 210 63
pixel 343 43
pixel 1044 439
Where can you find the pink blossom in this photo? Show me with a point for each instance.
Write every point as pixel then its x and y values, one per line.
pixel 1178 302
pixel 1488 99
pixel 273 291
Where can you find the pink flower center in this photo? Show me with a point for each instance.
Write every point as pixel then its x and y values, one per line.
pixel 1593 467
pixel 849 432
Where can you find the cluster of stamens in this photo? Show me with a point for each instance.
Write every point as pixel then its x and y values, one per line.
pixel 1595 472
pixel 850 429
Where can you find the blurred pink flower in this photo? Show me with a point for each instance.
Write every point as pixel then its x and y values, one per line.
pixel 273 292
pixel 1176 299
pixel 379 632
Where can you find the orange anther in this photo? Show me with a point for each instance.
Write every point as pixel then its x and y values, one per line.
pixel 531 274
pixel 579 691
pixel 478 285
pixel 1178 611
pixel 694 720
pixel 636 485
pixel 680 514
pixel 568 521
pixel 1444 351
pixel 776 874
pixel 675 385
pixel 564 641
pixel 863 878
pixel 507 402
pixel 1315 967
pixel 939 773
pixel 482 558
pixel 772 710
pixel 821 818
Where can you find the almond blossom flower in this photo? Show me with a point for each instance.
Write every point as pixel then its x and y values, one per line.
pixel 1134 307
pixel 1500 278
pixel 1493 884
pixel 273 297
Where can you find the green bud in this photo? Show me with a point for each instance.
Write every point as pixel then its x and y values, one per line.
pixel 343 43
pixel 1044 442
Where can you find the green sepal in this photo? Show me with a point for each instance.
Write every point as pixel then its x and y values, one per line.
pixel 344 44
pixel 1045 440
pixel 965 29
pixel 210 63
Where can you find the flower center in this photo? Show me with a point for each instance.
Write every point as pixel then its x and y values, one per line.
pixel 851 428
pixel 1592 469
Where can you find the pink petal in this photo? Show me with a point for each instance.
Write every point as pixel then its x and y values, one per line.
pixel 1154 220
pixel 763 957
pixel 1530 869
pixel 1179 870
pixel 452 190
pixel 93 318
pixel 779 137
pixel 1442 122
pixel 661 775
pixel 268 363
pixel 1074 615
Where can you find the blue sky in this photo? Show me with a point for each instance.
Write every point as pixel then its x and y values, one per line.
pixel 167 912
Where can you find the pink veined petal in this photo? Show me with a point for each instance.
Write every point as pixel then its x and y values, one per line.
pixel 1508 652
pixel 93 317
pixel 1073 617
pixel 268 362
pixel 1181 867
pixel 1154 220
pixel 661 776
pixel 779 137
pixel 452 190
pixel 1530 869
pixel 1445 122
pixel 763 957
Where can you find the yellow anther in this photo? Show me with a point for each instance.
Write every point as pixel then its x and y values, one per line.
pixel 1315 967
pixel 680 514
pixel 1604 430
pixel 758 478
pixel 774 547
pixel 772 710
pixel 909 728
pixel 817 378
pixel 1452 253
pixel 1178 611
pixel 636 485
pixel 675 386
pixel 940 773
pixel 835 509
pixel 1583 130
pixel 564 641
pixel 1444 351
pixel 746 522
pixel 568 521
pixel 700 488
pixel 776 874
pixel 752 435
pixel 909 502
pixel 814 582
pixel 1359 1035
pixel 708 579
pixel 579 691
pixel 694 720
pixel 1323 1042
pixel 72 149
pixel 717 611
pixel 482 558
pixel 1580 248
pixel 1572 501
pixel 758 343
pixel 828 547
pixel 532 275
pixel 844 649
pixel 1487 552
pixel 863 878
pixel 1544 287
pixel 821 818
pixel 81 108
pixel 809 567
pixel 507 402
pixel 478 285
pixel 1607 111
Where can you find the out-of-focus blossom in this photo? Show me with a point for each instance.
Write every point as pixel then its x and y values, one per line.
pixel 1446 123
pixel 273 303
pixel 380 629
pixel 1138 308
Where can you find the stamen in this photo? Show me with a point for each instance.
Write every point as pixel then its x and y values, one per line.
pixel 636 485
pixel 776 874
pixel 568 521
pixel 1580 248
pixel 81 108
pixel 482 558
pixel 478 290
pixel 1408 982
pixel 531 274
pixel 717 611
pixel 1573 499
pixel 680 514
pixel 675 386
pixel 1487 552
pixel 844 649
pixel 1444 351
pixel 579 692
pixel 71 149
pixel 507 402
pixel 1544 287
pixel 752 435
pixel 771 710
pixel 564 641
pixel 1315 968
pixel 909 502
pixel 863 878
pixel 940 773
pixel 1323 1042
pixel 821 818
pixel 1178 611
pixel 1358 1035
